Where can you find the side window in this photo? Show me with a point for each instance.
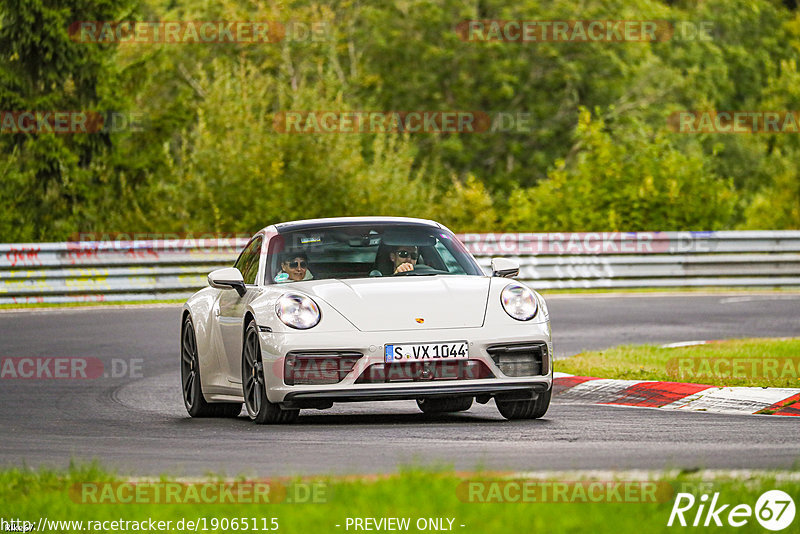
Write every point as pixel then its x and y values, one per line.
pixel 248 261
pixel 451 264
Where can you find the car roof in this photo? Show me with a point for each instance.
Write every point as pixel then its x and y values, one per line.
pixel 347 221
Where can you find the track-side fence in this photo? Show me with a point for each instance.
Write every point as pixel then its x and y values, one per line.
pixel 175 268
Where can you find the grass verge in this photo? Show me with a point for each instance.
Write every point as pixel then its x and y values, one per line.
pixel 745 290
pixel 557 503
pixel 739 362
pixel 554 292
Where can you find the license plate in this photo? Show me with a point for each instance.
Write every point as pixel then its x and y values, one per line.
pixel 424 352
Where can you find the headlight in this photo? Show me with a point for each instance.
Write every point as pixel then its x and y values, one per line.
pixel 297 311
pixel 519 302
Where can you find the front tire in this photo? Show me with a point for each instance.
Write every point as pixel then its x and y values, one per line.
pixel 527 409
pixel 193 398
pixel 254 385
pixel 444 405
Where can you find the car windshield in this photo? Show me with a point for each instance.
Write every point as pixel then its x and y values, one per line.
pixel 361 251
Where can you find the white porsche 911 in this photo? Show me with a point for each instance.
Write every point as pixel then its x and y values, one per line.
pixel 363 309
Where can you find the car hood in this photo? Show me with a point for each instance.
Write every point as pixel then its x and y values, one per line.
pixel 408 302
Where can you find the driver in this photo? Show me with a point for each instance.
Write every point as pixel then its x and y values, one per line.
pixel 404 258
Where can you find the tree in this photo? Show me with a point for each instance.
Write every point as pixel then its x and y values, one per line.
pixel 620 180
pixel 48 179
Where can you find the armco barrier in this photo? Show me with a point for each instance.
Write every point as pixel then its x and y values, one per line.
pixel 162 269
pixel 110 270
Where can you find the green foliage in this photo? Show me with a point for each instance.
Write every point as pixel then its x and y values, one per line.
pixel 479 500
pixel 468 207
pixel 623 182
pixel 777 205
pixel 48 178
pixel 235 173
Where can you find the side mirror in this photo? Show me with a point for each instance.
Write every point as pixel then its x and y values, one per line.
pixel 504 268
pixel 227 278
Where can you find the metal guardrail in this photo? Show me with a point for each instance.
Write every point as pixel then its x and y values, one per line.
pixel 164 269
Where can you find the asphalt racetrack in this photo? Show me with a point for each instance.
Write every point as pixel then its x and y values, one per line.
pixel 138 425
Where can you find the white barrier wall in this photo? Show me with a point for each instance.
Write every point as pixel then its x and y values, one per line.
pixel 174 268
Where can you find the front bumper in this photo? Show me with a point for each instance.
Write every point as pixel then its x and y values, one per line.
pixel 275 346
pixel 521 390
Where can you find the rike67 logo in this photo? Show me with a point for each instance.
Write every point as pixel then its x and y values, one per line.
pixel 774 510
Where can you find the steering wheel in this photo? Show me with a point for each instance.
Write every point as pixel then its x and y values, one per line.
pixel 419 268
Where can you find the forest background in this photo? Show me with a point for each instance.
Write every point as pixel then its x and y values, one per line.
pixel 597 152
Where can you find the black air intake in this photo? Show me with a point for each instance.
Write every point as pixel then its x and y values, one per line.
pixel 318 367
pixel 520 359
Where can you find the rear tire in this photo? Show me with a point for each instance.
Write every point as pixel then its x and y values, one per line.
pixel 527 409
pixel 254 385
pixel 444 405
pixel 192 389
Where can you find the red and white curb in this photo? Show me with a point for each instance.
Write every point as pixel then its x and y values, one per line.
pixel 676 395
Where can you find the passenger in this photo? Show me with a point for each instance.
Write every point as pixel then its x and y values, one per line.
pixel 294 268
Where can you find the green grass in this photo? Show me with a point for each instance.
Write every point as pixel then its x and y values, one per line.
pixel 648 290
pixel 413 493
pixel 545 292
pixel 742 362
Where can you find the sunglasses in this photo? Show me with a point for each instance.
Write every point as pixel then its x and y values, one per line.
pixel 406 254
pixel 294 264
